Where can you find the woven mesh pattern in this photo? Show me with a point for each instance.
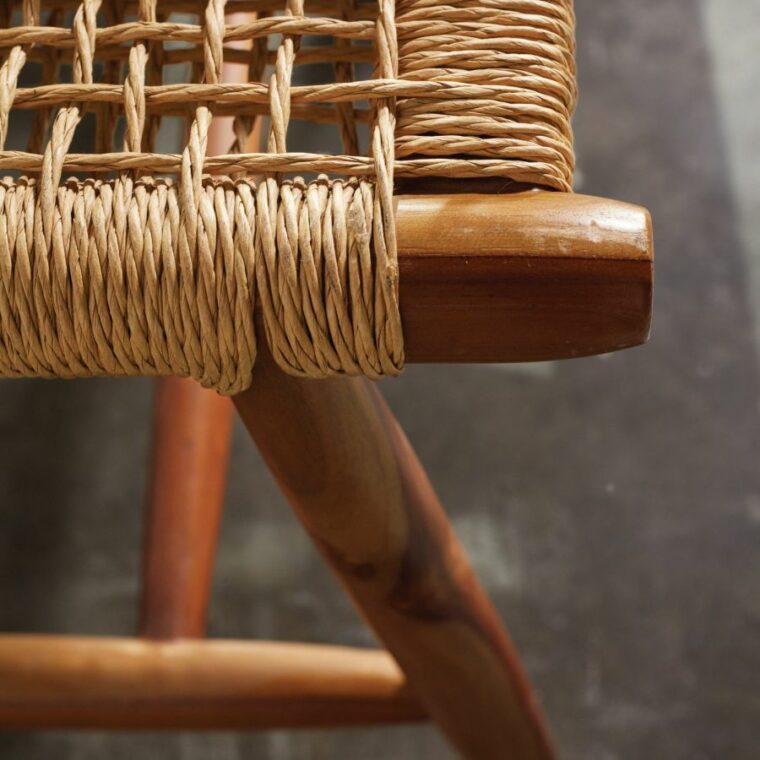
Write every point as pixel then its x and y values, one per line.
pixel 495 78
pixel 131 273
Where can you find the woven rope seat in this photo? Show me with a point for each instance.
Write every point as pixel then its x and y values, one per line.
pixel 126 261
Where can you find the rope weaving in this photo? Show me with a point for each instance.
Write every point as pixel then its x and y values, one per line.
pixel 130 272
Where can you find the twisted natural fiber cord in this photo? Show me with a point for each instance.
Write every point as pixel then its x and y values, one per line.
pixel 137 274
pixel 106 314
pixel 524 50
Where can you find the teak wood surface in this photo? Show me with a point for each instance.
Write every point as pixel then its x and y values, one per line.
pixel 355 483
pixel 192 430
pixel 116 683
pixel 526 276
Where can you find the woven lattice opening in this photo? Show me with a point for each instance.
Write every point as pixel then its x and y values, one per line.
pixel 126 260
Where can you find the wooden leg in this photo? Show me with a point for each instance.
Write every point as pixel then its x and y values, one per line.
pixel 357 486
pixel 191 442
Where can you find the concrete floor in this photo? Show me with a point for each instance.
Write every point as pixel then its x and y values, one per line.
pixel 611 505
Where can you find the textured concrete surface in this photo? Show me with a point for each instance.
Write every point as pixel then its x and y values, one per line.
pixel 612 505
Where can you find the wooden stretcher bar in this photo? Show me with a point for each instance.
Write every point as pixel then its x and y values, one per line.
pixel 117 683
pixel 528 276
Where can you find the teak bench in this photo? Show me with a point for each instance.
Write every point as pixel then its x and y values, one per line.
pixel 444 232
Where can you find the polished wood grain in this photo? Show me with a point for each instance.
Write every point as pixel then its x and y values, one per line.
pixel 525 276
pixel 114 683
pixel 191 442
pixel 362 495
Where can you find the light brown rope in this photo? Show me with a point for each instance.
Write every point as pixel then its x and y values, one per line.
pixel 136 274
pixel 106 314
pixel 514 66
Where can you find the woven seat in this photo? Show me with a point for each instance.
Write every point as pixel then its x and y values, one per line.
pixel 124 261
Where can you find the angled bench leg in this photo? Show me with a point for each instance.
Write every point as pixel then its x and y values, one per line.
pixel 362 495
pixel 191 442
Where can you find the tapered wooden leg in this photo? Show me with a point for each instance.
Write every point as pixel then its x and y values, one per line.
pixel 357 486
pixel 191 442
